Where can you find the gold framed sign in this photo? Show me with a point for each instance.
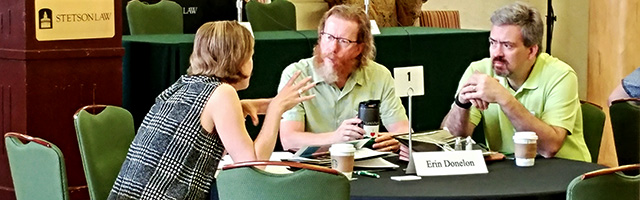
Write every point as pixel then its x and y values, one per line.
pixel 74 19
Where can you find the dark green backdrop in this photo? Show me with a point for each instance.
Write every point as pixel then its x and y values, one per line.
pixel 153 62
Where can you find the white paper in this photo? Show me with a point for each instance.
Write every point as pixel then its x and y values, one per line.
pixel 365 153
pixel 275 156
pixel 375 163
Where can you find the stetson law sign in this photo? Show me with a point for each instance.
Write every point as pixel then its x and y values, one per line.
pixel 74 19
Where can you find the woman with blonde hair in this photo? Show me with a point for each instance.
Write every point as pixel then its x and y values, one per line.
pixel 181 140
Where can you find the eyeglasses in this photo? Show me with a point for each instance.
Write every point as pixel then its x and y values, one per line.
pixel 343 42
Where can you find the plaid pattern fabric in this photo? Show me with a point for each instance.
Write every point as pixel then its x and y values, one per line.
pixel 172 157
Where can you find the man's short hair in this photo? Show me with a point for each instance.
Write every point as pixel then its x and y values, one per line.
pixel 220 49
pixel 525 16
pixel 356 14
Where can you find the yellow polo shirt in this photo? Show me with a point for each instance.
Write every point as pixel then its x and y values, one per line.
pixel 550 93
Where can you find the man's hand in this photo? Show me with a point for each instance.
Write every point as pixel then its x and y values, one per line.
pixel 481 89
pixel 254 107
pixel 348 131
pixel 248 108
pixel 386 142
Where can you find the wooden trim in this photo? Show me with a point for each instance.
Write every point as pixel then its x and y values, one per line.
pixel 610 170
pixel 283 163
pixel 637 100
pixel 38 54
pixel 75 115
pixel 24 137
pixel 587 102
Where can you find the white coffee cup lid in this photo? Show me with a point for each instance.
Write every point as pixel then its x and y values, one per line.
pixel 342 147
pixel 525 135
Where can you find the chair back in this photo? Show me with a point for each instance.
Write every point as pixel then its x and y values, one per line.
pixel 275 16
pixel 243 181
pixel 607 184
pixel 104 140
pixel 592 125
pixel 37 168
pixel 440 18
pixel 164 17
pixel 625 122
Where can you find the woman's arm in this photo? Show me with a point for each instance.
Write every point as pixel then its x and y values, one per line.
pixel 223 112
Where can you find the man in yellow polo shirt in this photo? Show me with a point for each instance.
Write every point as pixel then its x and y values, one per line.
pixel 520 89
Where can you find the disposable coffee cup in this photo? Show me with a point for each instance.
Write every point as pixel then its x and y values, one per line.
pixel 342 158
pixel 525 148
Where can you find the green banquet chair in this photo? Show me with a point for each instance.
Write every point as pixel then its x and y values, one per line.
pixel 607 183
pixel 277 15
pixel 625 122
pixel 244 181
pixel 164 17
pixel 104 140
pixel 37 168
pixel 593 123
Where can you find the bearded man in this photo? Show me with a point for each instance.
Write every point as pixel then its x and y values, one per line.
pixel 520 89
pixel 345 74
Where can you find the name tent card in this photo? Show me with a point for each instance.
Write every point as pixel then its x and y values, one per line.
pixel 443 163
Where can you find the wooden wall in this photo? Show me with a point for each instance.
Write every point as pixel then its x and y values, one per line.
pixel 614 51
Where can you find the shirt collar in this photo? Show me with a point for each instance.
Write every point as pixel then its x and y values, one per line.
pixel 359 76
pixel 533 80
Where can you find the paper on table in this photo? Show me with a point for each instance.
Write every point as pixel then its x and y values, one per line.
pixel 322 151
pixel 275 156
pixel 366 153
pixel 360 154
pixel 359 144
pixel 375 163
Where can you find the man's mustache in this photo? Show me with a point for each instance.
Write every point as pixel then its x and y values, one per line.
pixel 499 59
pixel 329 55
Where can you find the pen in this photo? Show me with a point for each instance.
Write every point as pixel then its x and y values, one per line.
pixel 366 173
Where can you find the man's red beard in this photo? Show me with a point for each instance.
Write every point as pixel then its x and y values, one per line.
pixel 338 66
pixel 325 70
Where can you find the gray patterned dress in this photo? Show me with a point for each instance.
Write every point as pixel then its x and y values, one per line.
pixel 172 157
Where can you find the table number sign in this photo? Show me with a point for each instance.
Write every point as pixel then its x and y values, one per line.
pixel 442 163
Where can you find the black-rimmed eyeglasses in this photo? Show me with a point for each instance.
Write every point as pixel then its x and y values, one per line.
pixel 344 42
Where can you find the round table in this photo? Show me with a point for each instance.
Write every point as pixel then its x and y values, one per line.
pixel 547 179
